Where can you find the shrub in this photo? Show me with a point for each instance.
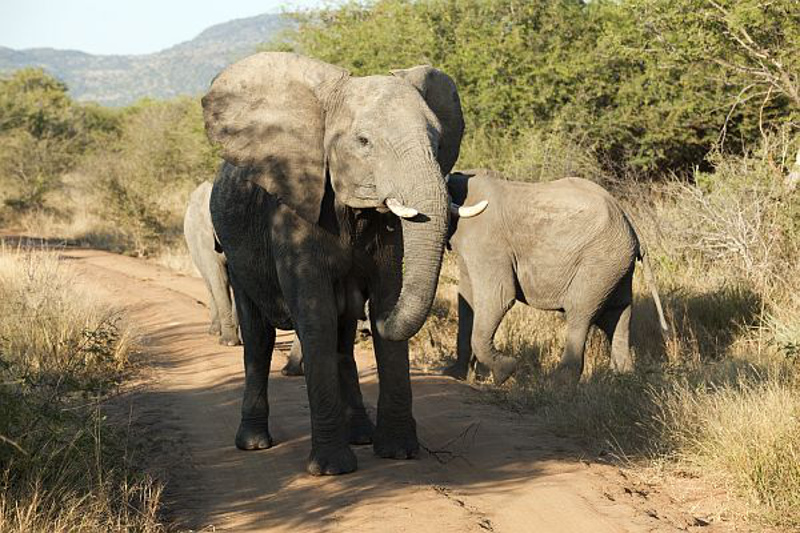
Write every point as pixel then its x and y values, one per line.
pixel 144 179
pixel 62 466
pixel 43 134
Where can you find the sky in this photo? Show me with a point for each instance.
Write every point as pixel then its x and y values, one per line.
pixel 122 26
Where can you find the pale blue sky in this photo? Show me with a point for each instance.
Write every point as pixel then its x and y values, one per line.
pixel 122 26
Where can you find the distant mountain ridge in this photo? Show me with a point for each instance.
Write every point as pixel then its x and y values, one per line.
pixel 186 68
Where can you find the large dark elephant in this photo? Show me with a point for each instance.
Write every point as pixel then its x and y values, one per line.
pixel 332 192
pixel 564 245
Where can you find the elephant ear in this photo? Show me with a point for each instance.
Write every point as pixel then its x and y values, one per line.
pixel 265 114
pixel 440 92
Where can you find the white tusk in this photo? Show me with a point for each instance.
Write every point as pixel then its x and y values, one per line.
pixel 400 210
pixel 467 211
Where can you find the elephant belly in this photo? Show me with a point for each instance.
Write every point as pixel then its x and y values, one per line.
pixel 543 286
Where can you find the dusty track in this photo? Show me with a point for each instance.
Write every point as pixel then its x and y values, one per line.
pixel 510 474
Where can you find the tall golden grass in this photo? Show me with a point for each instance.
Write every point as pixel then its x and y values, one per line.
pixel 63 467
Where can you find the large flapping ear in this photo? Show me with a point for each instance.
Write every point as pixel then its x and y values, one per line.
pixel 265 114
pixel 440 92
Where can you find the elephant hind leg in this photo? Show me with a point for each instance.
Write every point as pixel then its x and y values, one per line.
pixel 615 323
pixel 571 365
pixel 360 426
pixel 294 365
pixel 222 302
pixel 215 328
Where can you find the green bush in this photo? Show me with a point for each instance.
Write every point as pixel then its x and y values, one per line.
pixel 647 85
pixel 43 134
pixel 143 179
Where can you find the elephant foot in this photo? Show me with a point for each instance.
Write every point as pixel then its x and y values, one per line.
pixel 361 430
pixel 253 435
pixel 214 329
pixel 292 369
pixel 396 444
pixel 456 370
pixel 502 368
pixel 230 338
pixel 331 461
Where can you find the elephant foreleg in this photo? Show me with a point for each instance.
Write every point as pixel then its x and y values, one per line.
pixel 396 431
pixel 259 340
pixel 466 316
pixel 309 293
pixel 490 307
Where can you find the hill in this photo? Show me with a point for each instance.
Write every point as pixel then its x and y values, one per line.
pixel 186 68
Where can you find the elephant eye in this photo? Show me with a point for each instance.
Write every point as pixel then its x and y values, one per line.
pixel 363 141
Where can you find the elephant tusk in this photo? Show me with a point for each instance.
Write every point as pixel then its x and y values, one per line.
pixel 467 211
pixel 400 210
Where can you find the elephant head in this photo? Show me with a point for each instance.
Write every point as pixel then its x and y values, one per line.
pixel 382 142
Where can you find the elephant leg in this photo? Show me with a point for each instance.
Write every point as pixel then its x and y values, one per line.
pixel 294 365
pixel 259 340
pixel 312 304
pixel 360 426
pixel 615 323
pixel 221 296
pixel 466 316
pixel 215 328
pixel 490 308
pixel 571 366
pixel 395 434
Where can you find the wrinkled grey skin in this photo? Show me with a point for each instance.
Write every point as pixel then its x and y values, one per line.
pixel 565 245
pixel 294 363
pixel 312 156
pixel 199 234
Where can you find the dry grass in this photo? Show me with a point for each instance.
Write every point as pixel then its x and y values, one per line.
pixel 176 257
pixel 62 466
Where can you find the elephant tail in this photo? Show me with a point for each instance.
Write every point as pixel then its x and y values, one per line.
pixel 651 282
pixel 648 277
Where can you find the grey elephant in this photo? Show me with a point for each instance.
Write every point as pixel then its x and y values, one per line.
pixel 564 245
pixel 211 263
pixel 332 193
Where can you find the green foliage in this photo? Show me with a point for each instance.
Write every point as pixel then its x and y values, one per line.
pixel 43 133
pixel 647 85
pixel 161 154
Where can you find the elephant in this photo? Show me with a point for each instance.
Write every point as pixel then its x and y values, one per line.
pixel 211 263
pixel 332 193
pixel 294 363
pixel 564 245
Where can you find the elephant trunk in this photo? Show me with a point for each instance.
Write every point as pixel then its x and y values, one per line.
pixel 423 245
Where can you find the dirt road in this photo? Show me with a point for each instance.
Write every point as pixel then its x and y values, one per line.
pixel 504 472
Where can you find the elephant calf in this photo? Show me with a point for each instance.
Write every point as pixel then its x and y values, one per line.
pixel 565 245
pixel 211 263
